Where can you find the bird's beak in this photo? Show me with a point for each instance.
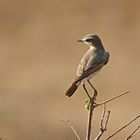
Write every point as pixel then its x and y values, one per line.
pixel 80 40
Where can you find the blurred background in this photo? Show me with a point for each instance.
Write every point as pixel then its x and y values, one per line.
pixel 38 61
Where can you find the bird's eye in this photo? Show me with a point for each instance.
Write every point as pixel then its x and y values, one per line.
pixel 88 40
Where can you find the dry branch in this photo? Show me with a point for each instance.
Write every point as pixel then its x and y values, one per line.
pixel 116 132
pixel 111 99
pixel 90 115
pixel 104 118
pixel 103 126
pixel 72 128
pixel 92 106
pixel 133 133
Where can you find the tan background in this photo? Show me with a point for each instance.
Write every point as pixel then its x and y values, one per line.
pixel 38 60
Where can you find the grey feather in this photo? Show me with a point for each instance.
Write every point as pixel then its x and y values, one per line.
pixel 92 61
pixel 95 62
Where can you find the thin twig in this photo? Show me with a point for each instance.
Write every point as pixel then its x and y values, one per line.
pixel 103 117
pixel 133 133
pixel 104 102
pixel 86 91
pixel 90 115
pixel 103 127
pixel 107 119
pixel 122 127
pixel 72 128
pixel 94 89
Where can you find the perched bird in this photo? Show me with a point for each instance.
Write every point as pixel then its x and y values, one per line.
pixel 92 61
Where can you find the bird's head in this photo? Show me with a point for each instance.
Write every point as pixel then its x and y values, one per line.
pixel 91 40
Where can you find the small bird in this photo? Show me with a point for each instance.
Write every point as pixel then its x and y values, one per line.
pixel 92 61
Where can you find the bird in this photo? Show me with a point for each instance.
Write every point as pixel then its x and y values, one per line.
pixel 92 61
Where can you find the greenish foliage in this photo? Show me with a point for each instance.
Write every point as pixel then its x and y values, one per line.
pixel 87 103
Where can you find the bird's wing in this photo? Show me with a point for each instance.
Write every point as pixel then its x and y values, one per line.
pixel 84 61
pixel 81 67
pixel 94 64
pixel 89 71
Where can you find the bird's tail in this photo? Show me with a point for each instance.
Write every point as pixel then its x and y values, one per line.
pixel 72 89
